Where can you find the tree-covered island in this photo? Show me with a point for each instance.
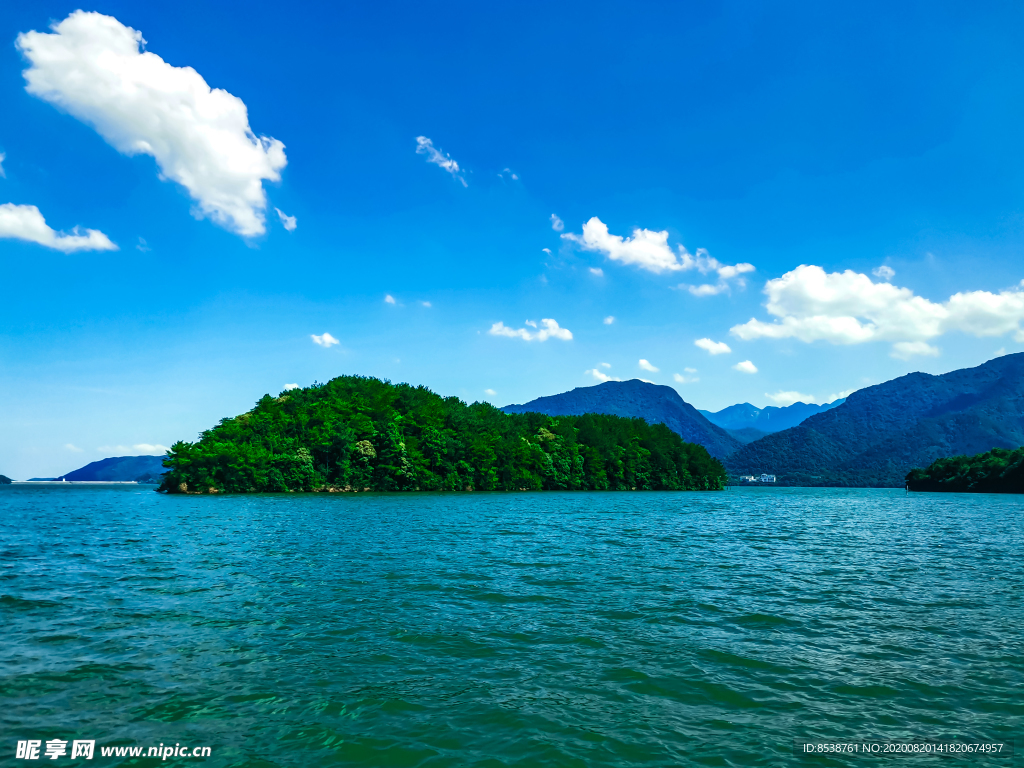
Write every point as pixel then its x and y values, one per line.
pixel 998 471
pixel 358 433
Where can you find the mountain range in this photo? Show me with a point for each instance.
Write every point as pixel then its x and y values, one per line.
pixel 747 423
pixel 637 399
pixel 882 432
pixel 144 469
pixel 873 438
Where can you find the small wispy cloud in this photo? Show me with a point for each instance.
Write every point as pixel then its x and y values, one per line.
pixel 904 350
pixel 443 160
pixel 389 299
pixel 3 157
pixel 785 398
pixel 426 304
pixel 680 378
pixel 606 365
pixel 154 449
pixel 600 375
pixel 490 392
pixel 548 329
pixel 547 251
pixel 597 271
pixel 289 387
pixel 647 366
pixel 143 245
pixel 884 272
pixel 288 222
pixel 73 448
pixel 324 340
pixel 556 223
pixel 609 320
pixel 745 367
pixel 508 173
pixel 713 347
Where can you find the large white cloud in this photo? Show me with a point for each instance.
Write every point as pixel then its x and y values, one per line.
pixel 93 67
pixel 650 250
pixel 849 308
pixel 548 329
pixel 25 222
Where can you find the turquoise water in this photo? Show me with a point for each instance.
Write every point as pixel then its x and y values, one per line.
pixel 593 629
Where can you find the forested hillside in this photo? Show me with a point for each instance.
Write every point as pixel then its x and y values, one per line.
pixel 357 433
pixel 880 433
pixel 997 471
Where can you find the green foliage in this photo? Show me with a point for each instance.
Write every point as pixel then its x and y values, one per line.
pixel 998 471
pixel 358 433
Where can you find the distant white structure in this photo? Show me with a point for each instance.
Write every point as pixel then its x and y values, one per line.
pixel 767 478
pixel 756 479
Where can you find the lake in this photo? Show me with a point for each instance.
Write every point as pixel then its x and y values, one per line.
pixel 532 629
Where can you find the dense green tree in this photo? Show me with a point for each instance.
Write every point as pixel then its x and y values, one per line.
pixel 357 433
pixel 998 471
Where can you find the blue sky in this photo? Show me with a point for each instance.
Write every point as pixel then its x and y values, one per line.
pixel 832 193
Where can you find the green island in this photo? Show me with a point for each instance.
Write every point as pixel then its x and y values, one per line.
pixel 358 433
pixel 998 471
pixel 4 480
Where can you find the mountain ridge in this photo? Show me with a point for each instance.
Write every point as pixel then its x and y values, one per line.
pixel 634 398
pixel 882 432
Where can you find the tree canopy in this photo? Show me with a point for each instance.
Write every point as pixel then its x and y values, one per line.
pixel 998 471
pixel 358 433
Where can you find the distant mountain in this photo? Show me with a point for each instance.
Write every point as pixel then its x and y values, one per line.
pixel 637 399
pixel 880 433
pixel 766 420
pixel 5 480
pixel 144 469
pixel 747 435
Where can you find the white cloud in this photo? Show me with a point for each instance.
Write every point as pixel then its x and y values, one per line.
pixel 3 174
pixel 94 68
pixel 849 308
pixel 690 370
pixel 490 392
pixel 600 375
pixel 999 352
pixel 685 379
pixel 647 366
pixel 606 365
pixel 509 173
pixel 556 223
pixel 838 395
pixel 609 320
pixel 551 330
pixel 143 246
pixel 426 304
pixel 389 299
pixel 289 387
pixel 713 347
pixel 597 271
pixel 25 222
pixel 650 250
pixel 904 350
pixel 324 340
pixel 745 367
pixel 788 398
pixel 547 251
pixel 884 272
pixel 288 222
pixel 425 146
pixel 73 448
pixel 153 450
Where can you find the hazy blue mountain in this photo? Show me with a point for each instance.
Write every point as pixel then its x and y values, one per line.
pixel 746 435
pixel 880 433
pixel 5 480
pixel 145 469
pixel 766 420
pixel 637 399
